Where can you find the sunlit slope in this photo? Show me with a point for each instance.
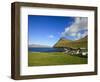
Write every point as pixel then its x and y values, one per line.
pixel 81 43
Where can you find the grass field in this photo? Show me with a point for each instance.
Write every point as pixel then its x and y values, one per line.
pixel 53 58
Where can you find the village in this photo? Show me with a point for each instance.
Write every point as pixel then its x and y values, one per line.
pixel 77 51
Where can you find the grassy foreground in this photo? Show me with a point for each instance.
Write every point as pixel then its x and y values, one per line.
pixel 53 58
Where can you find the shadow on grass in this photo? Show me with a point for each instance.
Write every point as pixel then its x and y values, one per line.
pixel 79 55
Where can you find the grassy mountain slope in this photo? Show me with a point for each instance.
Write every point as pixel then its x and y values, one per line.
pixel 81 43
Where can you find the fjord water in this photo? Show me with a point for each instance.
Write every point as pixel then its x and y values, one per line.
pixel 45 49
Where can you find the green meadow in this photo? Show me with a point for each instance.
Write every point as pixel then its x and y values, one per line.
pixel 54 58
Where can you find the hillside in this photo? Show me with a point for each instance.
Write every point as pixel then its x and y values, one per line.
pixel 81 43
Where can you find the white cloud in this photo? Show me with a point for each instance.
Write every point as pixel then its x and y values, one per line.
pixel 75 29
pixel 51 36
pixel 78 36
pixel 84 34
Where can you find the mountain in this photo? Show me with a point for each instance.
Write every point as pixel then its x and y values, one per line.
pixel 37 46
pixel 81 43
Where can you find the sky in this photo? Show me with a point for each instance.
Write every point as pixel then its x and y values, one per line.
pixel 47 30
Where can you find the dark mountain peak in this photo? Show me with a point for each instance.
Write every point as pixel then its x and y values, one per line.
pixel 82 39
pixel 62 38
pixel 86 36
